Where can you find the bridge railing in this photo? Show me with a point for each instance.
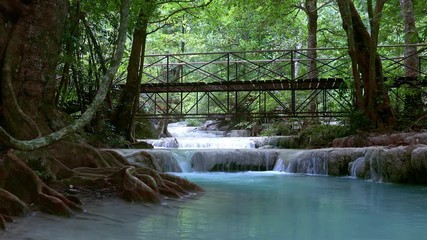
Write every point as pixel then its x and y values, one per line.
pixel 244 66
pixel 394 60
pixel 268 65
pixel 173 73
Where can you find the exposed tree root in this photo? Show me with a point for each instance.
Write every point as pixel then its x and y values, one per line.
pixel 20 186
pixel 133 188
pixel 10 205
pixel 23 182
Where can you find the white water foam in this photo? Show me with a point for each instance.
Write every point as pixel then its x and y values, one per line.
pixel 193 138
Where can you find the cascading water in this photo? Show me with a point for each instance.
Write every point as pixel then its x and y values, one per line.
pixel 191 138
pixel 357 166
pixel 192 150
pixel 203 142
pixel 285 159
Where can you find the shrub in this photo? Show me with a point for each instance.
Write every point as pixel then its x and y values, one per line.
pixel 321 135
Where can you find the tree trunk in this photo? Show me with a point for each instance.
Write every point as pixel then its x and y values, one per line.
pixel 311 11
pixel 69 49
pixel 124 115
pixel 413 105
pixel 31 50
pixel 411 37
pixel 366 62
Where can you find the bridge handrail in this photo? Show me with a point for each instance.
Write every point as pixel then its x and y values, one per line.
pixel 279 50
pixel 254 61
pixel 281 64
pixel 242 61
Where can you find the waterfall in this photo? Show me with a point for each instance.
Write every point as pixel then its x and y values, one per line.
pixel 182 159
pixel 279 166
pixel 285 158
pixel 357 167
pixel 191 138
pixel 203 142
pixel 232 160
pixel 193 150
pixel 402 164
pixel 310 162
pixel 164 143
pixel 303 161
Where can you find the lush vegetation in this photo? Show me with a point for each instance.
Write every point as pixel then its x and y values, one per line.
pixel 71 68
pixel 222 26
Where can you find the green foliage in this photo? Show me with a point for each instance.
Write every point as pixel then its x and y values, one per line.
pixel 243 125
pixel 231 26
pixel 194 122
pixel 321 135
pixel 279 129
pixel 314 135
pixel 358 121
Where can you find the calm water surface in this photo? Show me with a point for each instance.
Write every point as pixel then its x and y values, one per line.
pixel 250 205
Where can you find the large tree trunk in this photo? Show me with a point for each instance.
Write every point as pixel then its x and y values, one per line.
pixel 29 50
pixel 18 88
pixel 371 95
pixel 29 59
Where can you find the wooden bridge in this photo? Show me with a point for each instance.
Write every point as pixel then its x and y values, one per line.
pixel 262 84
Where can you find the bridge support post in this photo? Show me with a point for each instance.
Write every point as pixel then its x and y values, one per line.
pixel 293 100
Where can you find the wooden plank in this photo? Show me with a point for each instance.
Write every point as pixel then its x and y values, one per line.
pixel 306 84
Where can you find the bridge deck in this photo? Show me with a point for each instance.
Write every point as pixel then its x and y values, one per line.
pixel 306 84
pixel 268 85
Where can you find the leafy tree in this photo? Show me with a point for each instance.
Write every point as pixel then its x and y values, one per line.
pixel 371 95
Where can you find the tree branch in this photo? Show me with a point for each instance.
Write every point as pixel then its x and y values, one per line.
pixel 323 5
pixel 181 9
pixel 157 28
pixel 300 7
